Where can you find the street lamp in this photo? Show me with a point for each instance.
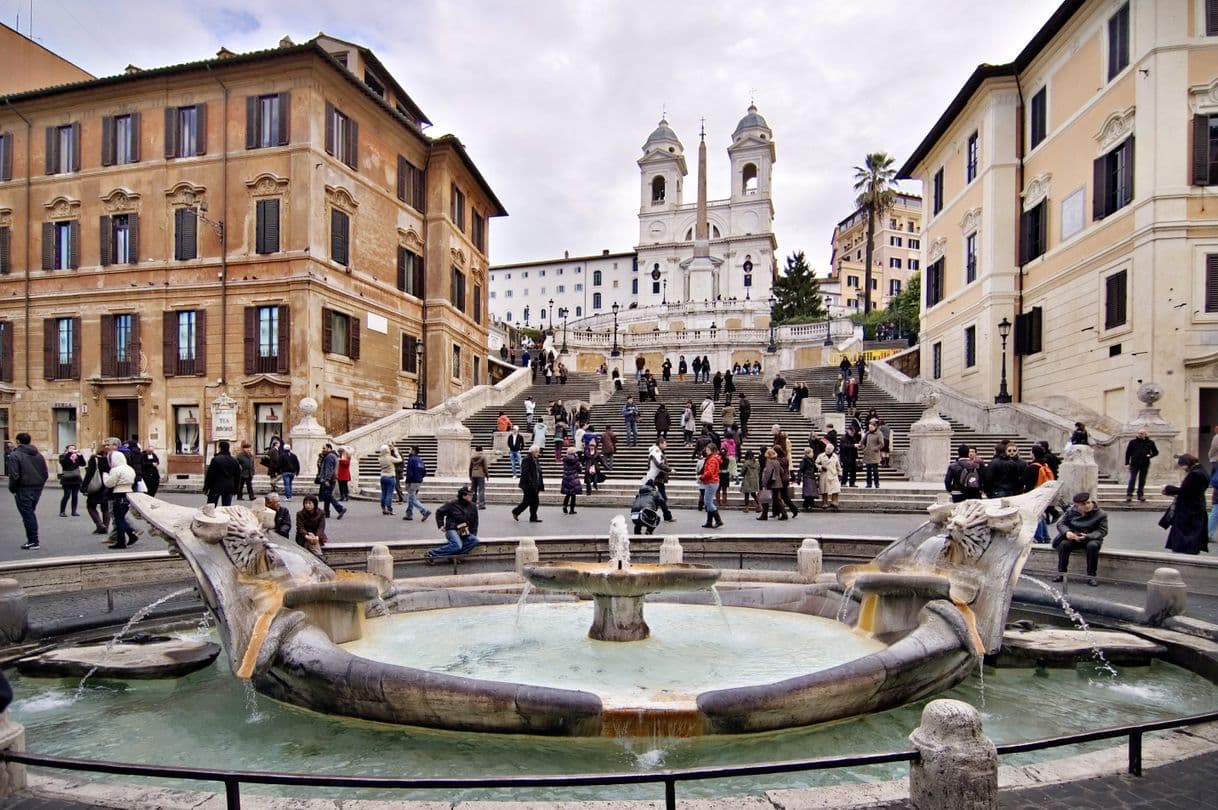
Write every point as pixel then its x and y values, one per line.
pixel 526 316
pixel 773 347
pixel 713 328
pixel 828 322
pixel 562 313
pixel 1004 330
pixel 419 402
pixel 617 352
pixel 664 299
pixel 550 315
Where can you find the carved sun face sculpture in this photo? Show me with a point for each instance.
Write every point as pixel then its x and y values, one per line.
pixel 970 530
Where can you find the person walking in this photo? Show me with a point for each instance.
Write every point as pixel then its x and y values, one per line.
pixel 717 385
pixel 682 368
pixel 729 387
pixel 386 460
pixel 343 476
pixel 709 478
pixel 327 477
pixel 745 408
pixel 539 434
pixel 630 415
pixel 399 469
pixel 808 478
pixel 245 458
pixel 1083 526
pixel 150 470
pixel 706 367
pixel 289 468
pixel 1007 473
pixel 839 392
pixel 70 465
pixel 477 476
pixel 572 483
pixel 1187 532
pixel 688 424
pixel 416 471
pixel 750 481
pixel 829 470
pixel 27 475
pixel 515 446
pixel 844 367
pixel 663 421
pixel 221 481
pixel 270 460
pixel 963 476
pixel 593 464
pixel 666 370
pixel 120 480
pixel 707 411
pixel 532 484
pixel 97 497
pixel 1138 453
pixel 459 520
pixel 873 447
pixel 658 471
pixel 608 445
pixel 530 410
pixel 771 486
pixel 697 369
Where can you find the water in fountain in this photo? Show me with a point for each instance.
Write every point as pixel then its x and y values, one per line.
pixel 136 618
pixel 981 680
pixel 619 544
pixel 844 607
pixel 718 597
pixel 524 595
pixel 252 712
pixel 1078 620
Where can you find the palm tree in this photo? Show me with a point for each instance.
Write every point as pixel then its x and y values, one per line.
pixel 874 183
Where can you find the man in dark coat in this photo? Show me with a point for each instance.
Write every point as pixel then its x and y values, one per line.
pixel 27 475
pixel 459 520
pixel 283 518
pixel 1007 473
pixel 1137 460
pixel 327 476
pixel 746 412
pixel 532 484
pixel 1083 526
pixel 223 477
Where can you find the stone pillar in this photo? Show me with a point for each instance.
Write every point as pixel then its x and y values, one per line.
pixel 810 408
pixel 1163 433
pixel 380 562
pixel 499 443
pixel 930 443
pixel 958 765
pixel 453 446
pixel 671 552
pixel 12 738
pixel 526 554
pixel 307 438
pixel 14 612
pixel 810 561
pixel 1166 596
pixel 1078 472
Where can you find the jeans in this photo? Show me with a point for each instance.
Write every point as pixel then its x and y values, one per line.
pixel 27 503
pixel 1138 475
pixel 325 494
pixel 1213 523
pixel 662 491
pixel 216 498
pixel 287 479
pixel 387 492
pixel 412 500
pixel 123 533
pixel 515 456
pixel 456 545
pixel 478 485
pixel 708 498
pixel 632 433
pixel 71 492
pixel 1090 547
pixel 873 475
pixel 840 404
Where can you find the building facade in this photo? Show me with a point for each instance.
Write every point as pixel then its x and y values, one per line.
pixel 544 293
pixel 896 256
pixel 1068 194
pixel 26 65
pixel 253 229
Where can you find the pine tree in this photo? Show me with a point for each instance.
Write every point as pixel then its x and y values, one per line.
pixel 797 293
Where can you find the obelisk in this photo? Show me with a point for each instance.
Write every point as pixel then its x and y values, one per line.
pixel 701 269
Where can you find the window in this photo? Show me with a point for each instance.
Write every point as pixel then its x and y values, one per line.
pixel 970 346
pixel 655 288
pixel 457 208
pixel 186 131
pixel 634 286
pixel 936 361
pixel 562 288
pixel 1118 42
pixel 748 178
pixel 937 191
pixel 596 278
pixel 184 341
pixel 894 286
pixel 268 422
pixel 970 169
pixel 340 236
pixel 579 312
pixel 478 303
pixel 852 281
pixel 6 156
pixel 61 349
pixel 914 264
pixel 267 120
pixel 913 244
pixel 120 345
pixel 895 241
pixel 970 258
pixel 596 297
pixel 894 263
pixel 1033 232
pixel 63 149
pixel 1205 150
pixel 410 356
pixel 6 247
pixel 478 230
pixel 342 136
pixel 1211 18
pixel 267 332
pixel 6 351
pixel 1211 282
pixel 1028 327
pixel 186 429
pixel 410 273
pixel 411 186
pixel 507 294
pixel 374 84
pixel 456 371
pixel 657 190
pixel 61 245
pixel 339 334
pixel 894 223
pixel 120 139
pixel 1116 300
pixel 65 426
pixel 457 289
pixel 185 234
pixel 934 283
pixel 1113 175
pixel 1037 116
pixel 266 227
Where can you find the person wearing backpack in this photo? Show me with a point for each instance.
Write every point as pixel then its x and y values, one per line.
pixel 963 477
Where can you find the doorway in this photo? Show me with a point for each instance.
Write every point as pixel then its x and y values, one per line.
pixel 124 418
pixel 1207 423
pixel 339 416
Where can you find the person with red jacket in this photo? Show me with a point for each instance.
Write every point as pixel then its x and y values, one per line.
pixel 709 477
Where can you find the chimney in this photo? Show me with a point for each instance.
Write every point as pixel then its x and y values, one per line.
pixel 286 42
pixel 132 69
pixel 605 252
pixel 566 254
pixel 224 53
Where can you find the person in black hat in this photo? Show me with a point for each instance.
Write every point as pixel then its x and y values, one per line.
pixel 1083 526
pixel 459 520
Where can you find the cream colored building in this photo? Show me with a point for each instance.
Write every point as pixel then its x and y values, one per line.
pixel 1079 178
pixel 895 257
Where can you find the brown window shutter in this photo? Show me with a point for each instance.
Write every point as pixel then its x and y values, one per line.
pixel 107 149
pixel 339 233
pixel 201 123
pixel 189 234
pixel 49 335
pixel 6 156
pixel 1025 237
pixel 251 338
pixel 76 147
pixel 1042 227
pixel 285 335
pixel 353 338
pixel 1211 18
pixel 5 250
pixel 1099 188
pixel 251 122
pixel 327 331
pixel 177 232
pixel 133 236
pixel 134 146
pixel 74 244
pixel 74 369
pixel 420 288
pixel 330 145
pixel 108 364
pixel 267 237
pixel 48 246
pixel 171 132
pixel 1201 150
pixel 1211 282
pixel 260 227
pixel 52 154
pixel 285 119
pixel 169 343
pixel 1127 172
pixel 105 240
pixel 401 268
pixel 134 358
pixel 402 178
pixel 353 144
pixel 201 342
pixel 6 351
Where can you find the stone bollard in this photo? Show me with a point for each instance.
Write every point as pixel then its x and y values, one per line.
pixel 1166 596
pixel 526 554
pixel 957 767
pixel 671 552
pixel 810 559
pixel 14 612
pixel 380 562
pixel 12 738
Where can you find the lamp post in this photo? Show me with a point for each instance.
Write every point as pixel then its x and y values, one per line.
pixel 773 347
pixel 526 316
pixel 420 402
pixel 1004 330
pixel 550 315
pixel 828 324
pixel 562 313
pixel 617 352
pixel 664 299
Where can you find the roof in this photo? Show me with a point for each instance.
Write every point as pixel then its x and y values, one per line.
pixel 566 260
pixel 372 60
pixel 984 72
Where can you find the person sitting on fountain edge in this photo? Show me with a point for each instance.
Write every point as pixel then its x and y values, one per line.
pixel 644 511
pixel 459 520
pixel 1083 526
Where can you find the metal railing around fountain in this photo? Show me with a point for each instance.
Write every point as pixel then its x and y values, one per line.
pixel 232 780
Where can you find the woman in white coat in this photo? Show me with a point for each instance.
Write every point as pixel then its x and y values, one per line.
pixel 829 468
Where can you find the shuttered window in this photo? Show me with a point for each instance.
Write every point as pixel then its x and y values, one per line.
pixel 457 208
pixel 411 188
pixel 1205 150
pixel 120 139
pixel 185 234
pixel 186 131
pixel 342 136
pixel 410 359
pixel 340 334
pixel 937 191
pixel 268 120
pixel 478 230
pixel 1211 282
pixel 6 249
pixel 1211 18
pixel 970 346
pixel 457 290
pixel 934 283
pixel 61 348
pixel 970 258
pixel 340 236
pixel 6 156
pixel 118 239
pixel 184 342
pixel 6 351
pixel 970 169
pixel 478 304
pixel 1116 303
pixel 1033 232
pixel 267 345
pixel 61 245
pixel 1118 42
pixel 1038 118
pixel 1028 329
pixel 410 272
pixel 936 361
pixel 120 345
pixel 63 149
pixel 266 237
pixel 1113 180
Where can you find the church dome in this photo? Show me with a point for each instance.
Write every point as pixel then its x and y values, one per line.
pixel 663 139
pixel 753 120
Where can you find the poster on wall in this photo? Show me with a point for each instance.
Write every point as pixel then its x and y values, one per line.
pixel 224 419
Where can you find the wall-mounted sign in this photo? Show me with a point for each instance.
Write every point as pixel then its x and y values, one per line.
pixel 224 419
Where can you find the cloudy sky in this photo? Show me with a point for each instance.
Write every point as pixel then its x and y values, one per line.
pixel 554 99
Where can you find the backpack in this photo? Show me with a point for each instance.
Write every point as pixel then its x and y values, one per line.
pixel 968 478
pixel 1044 473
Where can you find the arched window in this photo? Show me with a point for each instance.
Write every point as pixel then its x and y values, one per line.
pixel 715 232
pixel 748 178
pixel 543 316
pixel 689 235
pixel 634 286
pixel 596 278
pixel 579 312
pixel 657 189
pixel 596 302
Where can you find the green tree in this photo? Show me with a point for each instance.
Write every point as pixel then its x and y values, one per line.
pixel 797 293
pixel 902 310
pixel 874 183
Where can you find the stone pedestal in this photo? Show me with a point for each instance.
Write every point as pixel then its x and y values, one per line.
pixel 1163 433
pixel 811 407
pixel 14 612
pixel 526 554
pixel 671 551
pixel 930 443
pixel 958 765
pixel 380 562
pixel 1078 472
pixel 1166 596
pixel 834 420
pixel 307 438
pixel 499 443
pixel 810 560
pixel 453 446
pixel 12 738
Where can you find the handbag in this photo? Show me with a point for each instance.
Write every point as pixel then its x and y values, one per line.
pixel 1168 516
pixel 95 484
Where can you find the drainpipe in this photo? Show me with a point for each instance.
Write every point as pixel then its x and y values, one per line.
pixel 223 236
pixel 29 219
pixel 1016 358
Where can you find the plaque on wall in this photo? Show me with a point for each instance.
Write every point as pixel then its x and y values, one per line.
pixel 224 419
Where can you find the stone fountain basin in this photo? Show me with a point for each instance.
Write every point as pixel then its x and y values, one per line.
pixel 636 579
